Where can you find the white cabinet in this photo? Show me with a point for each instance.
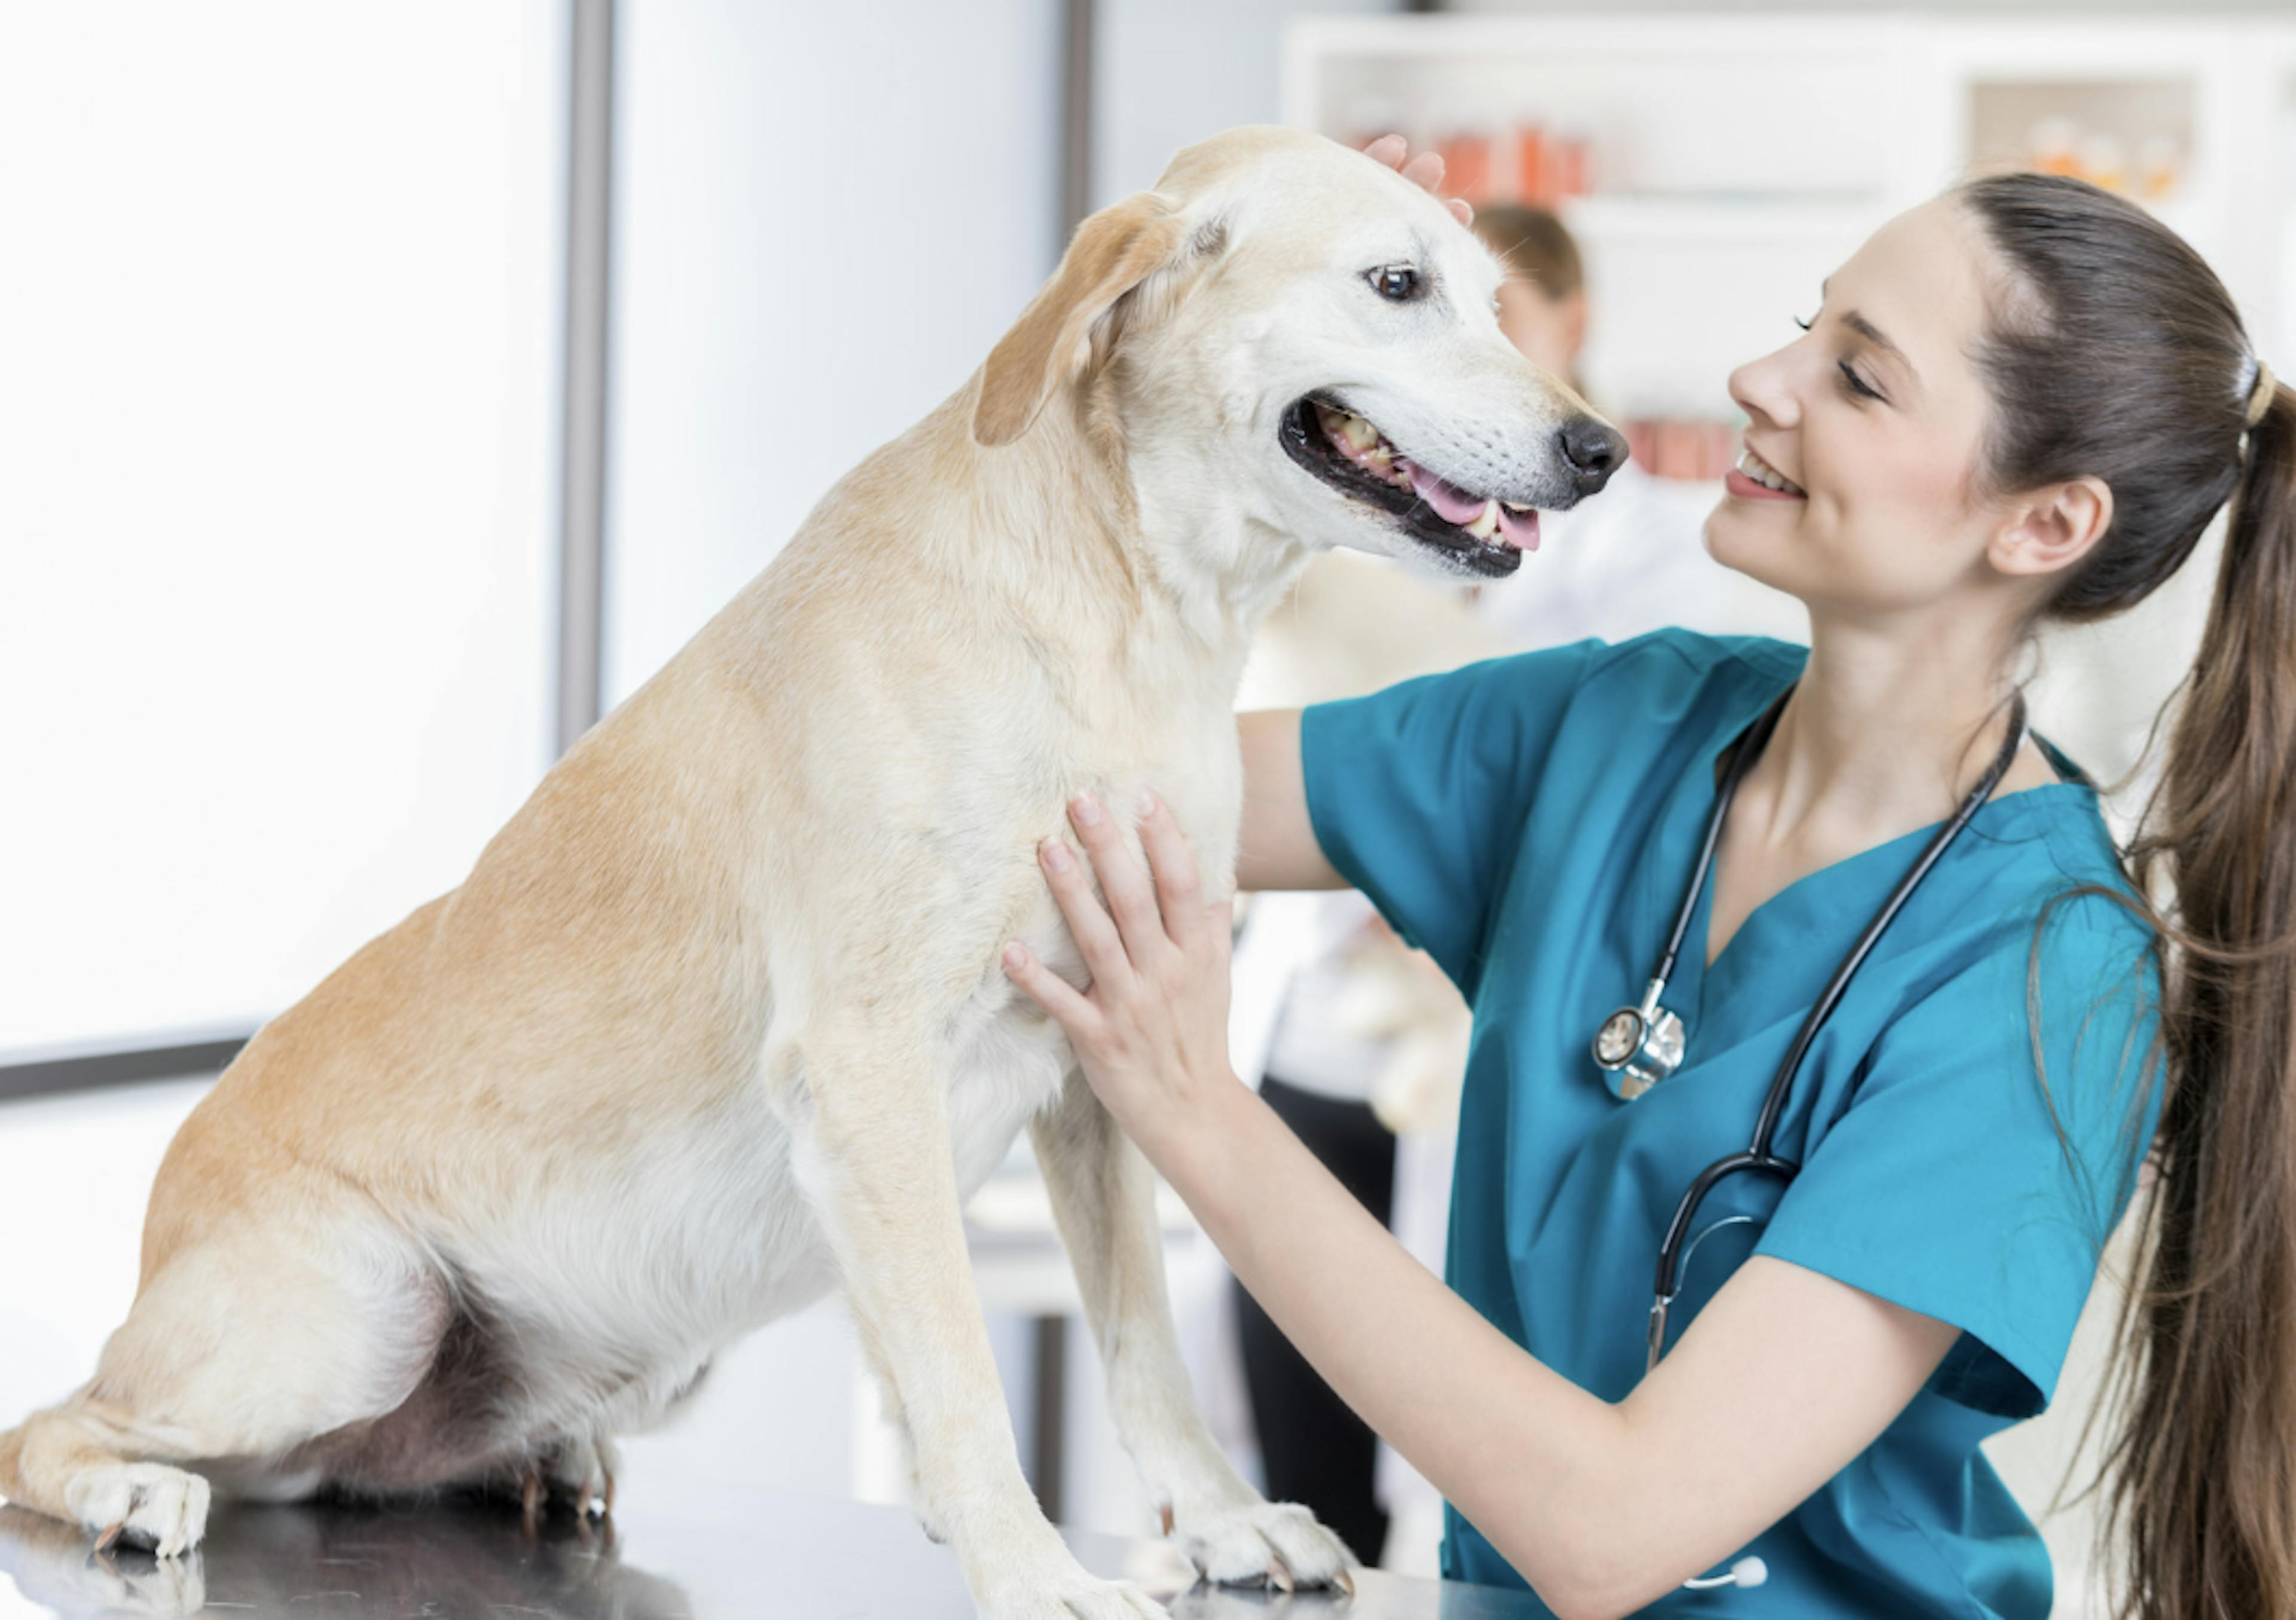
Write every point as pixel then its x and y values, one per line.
pixel 1734 160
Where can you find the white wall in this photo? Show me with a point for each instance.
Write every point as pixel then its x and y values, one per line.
pixel 824 216
pixel 278 309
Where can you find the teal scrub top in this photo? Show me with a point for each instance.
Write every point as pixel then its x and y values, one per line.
pixel 1532 822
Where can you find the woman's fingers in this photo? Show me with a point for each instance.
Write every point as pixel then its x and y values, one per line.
pixel 1095 935
pixel 1062 1002
pixel 1130 897
pixel 1179 888
pixel 1388 149
pixel 1426 169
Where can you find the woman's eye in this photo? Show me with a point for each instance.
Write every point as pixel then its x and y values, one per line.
pixel 1856 384
pixel 1399 283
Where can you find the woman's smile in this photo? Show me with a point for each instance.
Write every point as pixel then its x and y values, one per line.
pixel 1755 479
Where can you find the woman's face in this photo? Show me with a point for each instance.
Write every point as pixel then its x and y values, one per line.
pixel 1874 417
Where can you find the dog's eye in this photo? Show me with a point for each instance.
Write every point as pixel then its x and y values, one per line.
pixel 1399 283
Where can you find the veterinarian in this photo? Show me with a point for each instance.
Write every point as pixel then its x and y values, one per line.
pixel 2021 402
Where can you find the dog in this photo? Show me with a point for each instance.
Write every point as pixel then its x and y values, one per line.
pixel 717 1023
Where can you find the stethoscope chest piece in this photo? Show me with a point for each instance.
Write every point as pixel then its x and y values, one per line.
pixel 1641 1045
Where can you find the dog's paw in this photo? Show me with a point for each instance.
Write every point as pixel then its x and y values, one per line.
pixel 582 1472
pixel 1277 1543
pixel 144 1504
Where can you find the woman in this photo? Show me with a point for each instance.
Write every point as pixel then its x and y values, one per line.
pixel 2019 402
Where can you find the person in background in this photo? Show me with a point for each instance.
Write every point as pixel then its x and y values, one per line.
pixel 1361 1042
pixel 1634 560
pixel 1543 304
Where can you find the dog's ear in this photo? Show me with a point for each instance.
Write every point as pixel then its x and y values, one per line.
pixel 1113 252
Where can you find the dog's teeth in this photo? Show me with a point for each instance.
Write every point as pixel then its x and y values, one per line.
pixel 1359 433
pixel 1485 522
pixel 1514 507
pixel 1378 460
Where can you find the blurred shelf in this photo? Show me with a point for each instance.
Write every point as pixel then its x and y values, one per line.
pixel 1737 216
pixel 1769 144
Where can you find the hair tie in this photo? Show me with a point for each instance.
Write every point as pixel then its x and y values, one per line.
pixel 2260 397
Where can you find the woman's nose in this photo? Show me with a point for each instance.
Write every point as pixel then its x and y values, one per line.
pixel 1764 390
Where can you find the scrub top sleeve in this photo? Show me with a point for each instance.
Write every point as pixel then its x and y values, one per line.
pixel 1944 1187
pixel 1418 793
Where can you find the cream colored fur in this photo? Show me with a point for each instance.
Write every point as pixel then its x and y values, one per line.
pixel 715 1023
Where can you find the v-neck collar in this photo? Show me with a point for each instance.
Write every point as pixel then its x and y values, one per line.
pixel 1699 991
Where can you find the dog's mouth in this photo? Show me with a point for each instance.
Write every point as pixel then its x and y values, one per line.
pixel 1481 534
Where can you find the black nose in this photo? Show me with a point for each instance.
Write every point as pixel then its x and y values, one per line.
pixel 1594 449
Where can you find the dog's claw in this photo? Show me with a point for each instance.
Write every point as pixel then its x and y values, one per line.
pixel 609 1497
pixel 530 1496
pixel 1346 1583
pixel 104 1542
pixel 1279 1573
pixel 1167 1511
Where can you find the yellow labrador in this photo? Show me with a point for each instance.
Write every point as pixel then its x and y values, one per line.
pixel 715 1023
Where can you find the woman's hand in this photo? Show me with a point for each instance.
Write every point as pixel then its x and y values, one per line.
pixel 1151 1033
pixel 1426 169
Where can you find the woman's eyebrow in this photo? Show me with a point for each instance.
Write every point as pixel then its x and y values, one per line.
pixel 1872 334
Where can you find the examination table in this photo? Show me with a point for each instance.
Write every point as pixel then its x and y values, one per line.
pixel 771 1553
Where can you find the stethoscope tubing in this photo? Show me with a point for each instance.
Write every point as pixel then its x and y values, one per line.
pixel 1758 1159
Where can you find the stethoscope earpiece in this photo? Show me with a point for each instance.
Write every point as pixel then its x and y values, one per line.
pixel 1746 1572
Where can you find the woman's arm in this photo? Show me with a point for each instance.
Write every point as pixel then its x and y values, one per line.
pixel 1276 845
pixel 1776 1385
pixel 1774 1388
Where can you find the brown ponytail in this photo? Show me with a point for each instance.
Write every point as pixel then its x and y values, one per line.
pixel 2203 1473
pixel 2116 352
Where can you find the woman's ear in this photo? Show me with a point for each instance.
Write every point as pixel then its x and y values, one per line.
pixel 1113 252
pixel 2052 527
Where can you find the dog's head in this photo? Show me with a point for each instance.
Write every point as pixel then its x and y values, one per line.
pixel 1303 344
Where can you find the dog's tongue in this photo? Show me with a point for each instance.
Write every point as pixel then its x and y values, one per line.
pixel 1451 503
pixel 1455 506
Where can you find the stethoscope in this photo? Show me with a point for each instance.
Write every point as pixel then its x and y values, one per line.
pixel 1642 1044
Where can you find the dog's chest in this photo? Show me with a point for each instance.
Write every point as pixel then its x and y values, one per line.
pixel 1008 1061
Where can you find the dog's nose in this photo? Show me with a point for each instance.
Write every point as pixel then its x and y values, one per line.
pixel 1594 449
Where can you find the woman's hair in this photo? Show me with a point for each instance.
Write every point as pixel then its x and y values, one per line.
pixel 2113 351
pixel 1535 245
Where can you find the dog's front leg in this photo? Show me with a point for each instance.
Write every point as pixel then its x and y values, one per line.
pixel 869 1127
pixel 1105 1201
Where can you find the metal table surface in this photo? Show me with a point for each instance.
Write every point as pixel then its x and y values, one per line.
pixel 768 1554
